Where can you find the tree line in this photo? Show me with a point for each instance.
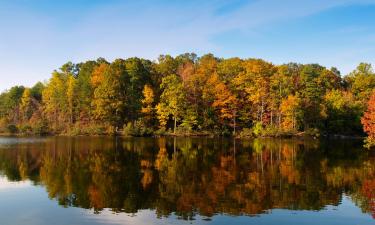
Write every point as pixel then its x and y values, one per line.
pixel 188 94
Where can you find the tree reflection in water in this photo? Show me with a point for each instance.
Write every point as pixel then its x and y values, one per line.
pixel 189 176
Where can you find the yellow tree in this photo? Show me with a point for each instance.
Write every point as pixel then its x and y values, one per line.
pixel 97 75
pixel 290 109
pixel 26 105
pixel 281 85
pixel 54 99
pixel 71 96
pixel 147 103
pixel 198 91
pixel 162 114
pixel 254 81
pixel 172 100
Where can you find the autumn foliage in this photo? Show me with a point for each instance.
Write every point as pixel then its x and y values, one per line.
pixel 368 121
pixel 368 190
pixel 191 95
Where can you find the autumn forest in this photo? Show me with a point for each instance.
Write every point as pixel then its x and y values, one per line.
pixel 191 95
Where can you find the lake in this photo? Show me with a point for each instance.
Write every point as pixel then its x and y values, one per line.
pixel 108 180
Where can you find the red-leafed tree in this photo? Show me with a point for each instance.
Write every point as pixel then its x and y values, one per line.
pixel 368 188
pixel 368 121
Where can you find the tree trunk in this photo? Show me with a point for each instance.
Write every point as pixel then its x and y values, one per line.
pixel 234 124
pixel 261 113
pixel 71 116
pixel 175 124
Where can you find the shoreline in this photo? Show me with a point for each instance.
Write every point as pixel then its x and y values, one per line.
pixel 197 135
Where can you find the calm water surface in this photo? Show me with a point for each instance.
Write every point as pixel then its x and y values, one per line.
pixel 84 180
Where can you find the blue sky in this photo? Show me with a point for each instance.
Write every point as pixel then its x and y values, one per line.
pixel 38 36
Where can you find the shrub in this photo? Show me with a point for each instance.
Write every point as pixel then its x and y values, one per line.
pixel 93 129
pixel 226 132
pixel 128 129
pixel 246 133
pixel 369 142
pixel 11 128
pixel 111 130
pixel 137 130
pixel 26 129
pixel 40 127
pixel 271 131
pixel 258 129
pixel 313 132
pixel 161 132
pixel 75 130
pixel 3 125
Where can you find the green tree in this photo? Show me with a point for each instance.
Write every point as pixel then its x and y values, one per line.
pixel 84 90
pixel 343 112
pixel 136 77
pixel 109 100
pixel 311 96
pixel 172 100
pixel 361 82
pixel 37 91
pixel 9 102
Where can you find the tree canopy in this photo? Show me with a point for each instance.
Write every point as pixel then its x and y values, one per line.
pixel 190 94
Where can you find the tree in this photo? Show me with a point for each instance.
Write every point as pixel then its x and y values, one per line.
pixel 84 90
pixel 290 109
pixel 224 102
pixel 281 85
pixel 198 91
pixel 311 96
pixel 361 82
pixel 172 100
pixel 109 100
pixel 136 77
pixel 26 105
pixel 368 121
pixel 71 96
pixel 228 69
pixel 148 103
pixel 36 91
pixel 162 114
pixel 255 83
pixel 97 75
pixel 190 119
pixel 55 101
pixel 193 93
pixel 9 102
pixel 343 112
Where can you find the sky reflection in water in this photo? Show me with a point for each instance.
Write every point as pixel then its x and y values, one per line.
pixel 185 181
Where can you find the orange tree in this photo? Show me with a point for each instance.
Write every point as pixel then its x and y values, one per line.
pixel 368 121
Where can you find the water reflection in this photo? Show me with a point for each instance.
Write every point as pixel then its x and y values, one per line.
pixel 190 177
